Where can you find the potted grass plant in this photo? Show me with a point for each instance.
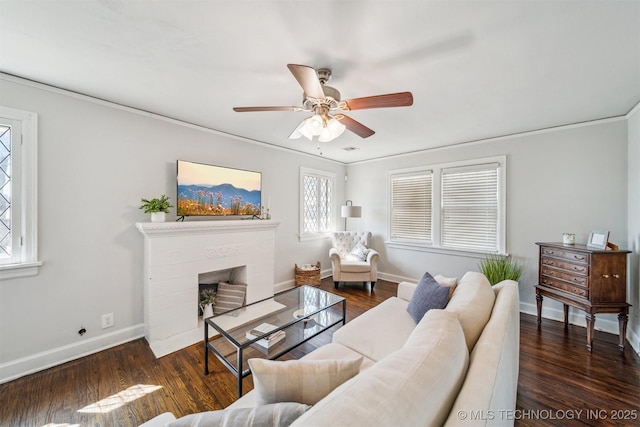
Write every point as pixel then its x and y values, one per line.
pixel 499 267
pixel 157 207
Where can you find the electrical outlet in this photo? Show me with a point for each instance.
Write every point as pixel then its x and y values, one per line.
pixel 107 320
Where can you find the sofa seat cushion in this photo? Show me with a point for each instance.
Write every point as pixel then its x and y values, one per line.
pixel 378 332
pixel 351 266
pixel 414 386
pixel 472 302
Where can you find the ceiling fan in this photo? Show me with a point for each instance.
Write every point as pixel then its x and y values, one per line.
pixel 328 120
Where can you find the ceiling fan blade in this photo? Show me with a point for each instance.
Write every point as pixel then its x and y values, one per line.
pixel 401 99
pixel 354 126
pixel 308 79
pixel 249 109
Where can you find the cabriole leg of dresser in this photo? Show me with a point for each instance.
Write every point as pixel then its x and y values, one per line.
pixel 591 321
pixel 622 327
pixel 566 316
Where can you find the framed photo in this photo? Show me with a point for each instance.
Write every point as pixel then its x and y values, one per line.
pixel 598 239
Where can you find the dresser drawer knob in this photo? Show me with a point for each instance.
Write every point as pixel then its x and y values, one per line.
pixel 617 276
pixel 606 276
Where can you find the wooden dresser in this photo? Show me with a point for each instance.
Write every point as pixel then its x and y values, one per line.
pixel 589 279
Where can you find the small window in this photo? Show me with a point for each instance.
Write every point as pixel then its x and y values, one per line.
pixel 316 196
pixel 18 193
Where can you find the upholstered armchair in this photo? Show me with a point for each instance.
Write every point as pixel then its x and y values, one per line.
pixel 351 258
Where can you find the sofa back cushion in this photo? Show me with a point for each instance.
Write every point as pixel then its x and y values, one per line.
pixel 415 385
pixel 472 302
pixel 491 383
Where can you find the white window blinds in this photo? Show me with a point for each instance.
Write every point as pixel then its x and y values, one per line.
pixel 470 208
pixel 411 196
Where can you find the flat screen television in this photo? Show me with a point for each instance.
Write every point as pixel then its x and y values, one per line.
pixel 208 190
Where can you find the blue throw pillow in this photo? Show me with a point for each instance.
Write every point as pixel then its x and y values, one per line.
pixel 428 294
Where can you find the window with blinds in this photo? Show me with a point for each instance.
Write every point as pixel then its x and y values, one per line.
pixel 445 207
pixel 470 208
pixel 411 207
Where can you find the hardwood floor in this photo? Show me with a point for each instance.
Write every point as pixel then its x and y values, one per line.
pixel 126 385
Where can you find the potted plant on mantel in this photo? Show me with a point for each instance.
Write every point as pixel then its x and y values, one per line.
pixel 158 208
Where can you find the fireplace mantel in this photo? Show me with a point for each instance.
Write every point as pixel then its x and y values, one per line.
pixel 152 229
pixel 175 253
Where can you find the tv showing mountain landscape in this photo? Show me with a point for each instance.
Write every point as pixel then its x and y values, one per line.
pixel 208 190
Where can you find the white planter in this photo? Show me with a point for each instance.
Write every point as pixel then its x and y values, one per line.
pixel 158 216
pixel 208 311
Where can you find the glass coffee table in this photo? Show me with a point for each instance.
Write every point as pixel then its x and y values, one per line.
pixel 291 318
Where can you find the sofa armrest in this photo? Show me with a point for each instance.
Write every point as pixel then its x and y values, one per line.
pixel 335 257
pixel 406 290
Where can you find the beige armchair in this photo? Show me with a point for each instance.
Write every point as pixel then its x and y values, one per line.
pixel 351 258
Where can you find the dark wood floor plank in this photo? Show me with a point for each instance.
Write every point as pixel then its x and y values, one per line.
pixel 557 373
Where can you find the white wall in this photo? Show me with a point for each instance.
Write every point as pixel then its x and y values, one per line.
pixel 633 129
pixel 95 163
pixel 571 179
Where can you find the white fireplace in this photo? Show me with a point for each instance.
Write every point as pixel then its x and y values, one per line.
pixel 176 253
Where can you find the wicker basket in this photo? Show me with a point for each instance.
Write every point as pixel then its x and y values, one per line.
pixel 308 277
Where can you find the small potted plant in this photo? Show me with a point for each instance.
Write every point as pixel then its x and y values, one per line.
pixel 207 299
pixel 158 208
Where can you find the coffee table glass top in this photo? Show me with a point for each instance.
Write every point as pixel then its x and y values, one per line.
pixel 301 313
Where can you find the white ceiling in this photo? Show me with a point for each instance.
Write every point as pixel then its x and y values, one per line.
pixel 476 69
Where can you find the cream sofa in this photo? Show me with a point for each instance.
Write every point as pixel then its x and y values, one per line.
pixel 457 367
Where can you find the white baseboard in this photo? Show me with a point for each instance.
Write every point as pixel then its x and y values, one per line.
pixel 37 362
pixel 576 317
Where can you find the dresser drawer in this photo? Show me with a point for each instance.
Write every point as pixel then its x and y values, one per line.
pixel 574 256
pixel 582 269
pixel 557 284
pixel 569 277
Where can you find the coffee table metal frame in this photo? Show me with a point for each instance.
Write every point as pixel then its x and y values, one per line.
pixel 321 312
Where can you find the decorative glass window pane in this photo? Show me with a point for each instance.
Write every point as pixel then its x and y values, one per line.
pixel 317 203
pixel 5 192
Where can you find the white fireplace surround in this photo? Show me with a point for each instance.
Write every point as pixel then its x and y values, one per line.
pixel 175 253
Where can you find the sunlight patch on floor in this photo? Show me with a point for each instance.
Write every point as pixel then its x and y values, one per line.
pixel 119 399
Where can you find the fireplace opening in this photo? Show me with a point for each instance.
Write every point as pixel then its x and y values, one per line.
pixel 210 280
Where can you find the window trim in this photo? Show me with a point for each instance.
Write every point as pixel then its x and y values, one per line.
pixel 436 209
pixel 28 264
pixel 304 171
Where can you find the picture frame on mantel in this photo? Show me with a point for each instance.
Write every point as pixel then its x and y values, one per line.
pixel 598 239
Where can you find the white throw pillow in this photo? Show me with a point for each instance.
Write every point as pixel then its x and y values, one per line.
pixel 449 282
pixel 303 381
pixel 358 253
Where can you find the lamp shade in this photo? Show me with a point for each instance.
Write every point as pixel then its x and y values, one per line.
pixel 350 211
